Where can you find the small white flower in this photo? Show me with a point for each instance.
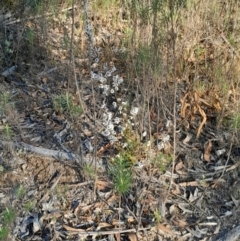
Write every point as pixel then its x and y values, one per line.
pixel 103 105
pixel 110 126
pixel 169 123
pixel 94 75
pixel 120 80
pixel 112 139
pixel 108 74
pixel 149 143
pixel 105 116
pixel 112 91
pixel 125 144
pixel 105 92
pixel 113 69
pixel 105 123
pixel 117 120
pixel 114 105
pixel 110 114
pixel 106 133
pixel 134 111
pixel 116 88
pixel 119 99
pixel 166 138
pixel 115 78
pixel 106 87
pixel 160 146
pixel 102 79
pixel 144 133
pixel 120 108
pixel 124 103
pixel 105 66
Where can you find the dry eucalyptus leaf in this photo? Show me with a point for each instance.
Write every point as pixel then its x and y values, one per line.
pixel 132 237
pixel 207 151
pixel 104 225
pixel 187 139
pixel 179 168
pixel 180 223
pixel 103 185
pixel 164 230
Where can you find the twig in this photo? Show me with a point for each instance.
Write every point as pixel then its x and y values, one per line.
pixel 93 233
pixel 227 42
pixel 228 157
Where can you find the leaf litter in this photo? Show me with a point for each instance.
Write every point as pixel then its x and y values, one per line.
pixel 66 206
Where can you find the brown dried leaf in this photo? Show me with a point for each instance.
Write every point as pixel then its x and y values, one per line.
pixel 194 184
pixel 164 230
pixel 104 225
pixel 131 220
pixel 168 149
pixel 103 185
pixel 218 183
pixel 207 151
pixel 152 114
pixel 86 208
pixel 68 228
pixel 77 208
pixel 179 168
pixel 112 199
pixel 180 222
pixel 44 80
pixel 117 236
pixel 187 139
pixel 202 113
pixel 132 237
pixel 184 106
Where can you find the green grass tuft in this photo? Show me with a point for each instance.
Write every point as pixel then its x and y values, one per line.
pixel 121 174
pixel 64 103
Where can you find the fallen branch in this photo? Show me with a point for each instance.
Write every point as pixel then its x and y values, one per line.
pixel 41 151
pixel 59 155
pixel 102 232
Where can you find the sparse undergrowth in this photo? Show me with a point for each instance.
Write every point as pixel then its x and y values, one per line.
pixel 148 72
pixel 65 102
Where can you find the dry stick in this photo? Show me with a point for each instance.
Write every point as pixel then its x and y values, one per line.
pixel 90 48
pixel 228 157
pixel 147 186
pixel 59 155
pixel 229 45
pixel 93 233
pixel 174 104
pixel 74 68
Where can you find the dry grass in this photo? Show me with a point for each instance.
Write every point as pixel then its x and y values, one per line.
pixel 179 58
